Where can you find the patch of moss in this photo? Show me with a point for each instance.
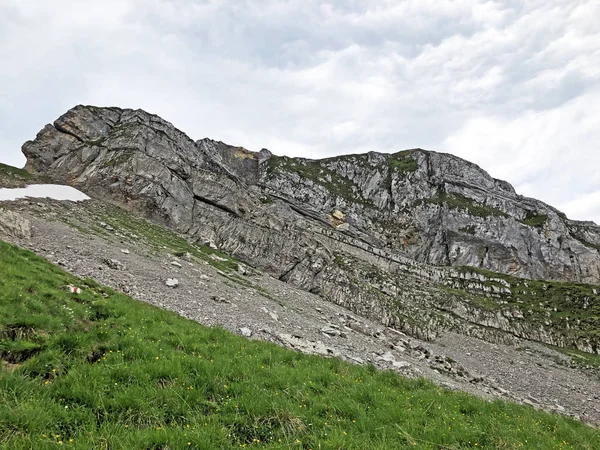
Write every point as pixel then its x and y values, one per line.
pixel 313 170
pixel 574 308
pixel 468 229
pixel 159 239
pixel 480 301
pixel 587 243
pixel 14 172
pixel 403 162
pixel 534 220
pixel 457 201
pixel 266 199
pixel 579 358
pixel 340 261
pixel 118 160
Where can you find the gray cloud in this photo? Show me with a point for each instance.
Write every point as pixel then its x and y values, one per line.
pixel 509 85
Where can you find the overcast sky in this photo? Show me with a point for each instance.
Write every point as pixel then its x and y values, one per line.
pixel 513 86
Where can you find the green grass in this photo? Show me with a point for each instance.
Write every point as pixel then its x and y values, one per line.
pixel 13 172
pixel 586 242
pixel 578 358
pixel 157 238
pixel 573 308
pixel 118 160
pixel 318 173
pixel 403 162
pixel 100 370
pixel 457 201
pixel 535 220
pixel 266 199
pixel 470 229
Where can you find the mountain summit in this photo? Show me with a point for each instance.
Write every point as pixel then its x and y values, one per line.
pixel 407 237
pixel 432 207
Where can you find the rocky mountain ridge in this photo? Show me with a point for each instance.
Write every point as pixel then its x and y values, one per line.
pixel 408 239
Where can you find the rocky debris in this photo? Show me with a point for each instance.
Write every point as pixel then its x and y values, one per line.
pixel 114 264
pixel 13 224
pixel 331 330
pixel 247 332
pixel 187 256
pixel 355 359
pixel 125 251
pixel 400 365
pixel 172 282
pixel 389 358
pixel 307 346
pixel 217 299
pixel 106 226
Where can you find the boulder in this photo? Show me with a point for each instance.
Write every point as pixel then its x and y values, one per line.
pixel 14 225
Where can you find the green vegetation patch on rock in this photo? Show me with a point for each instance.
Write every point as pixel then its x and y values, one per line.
pixel 160 238
pixel 457 201
pixel 403 162
pixel 572 308
pixel 14 172
pixel 587 243
pixel 535 220
pixel 333 182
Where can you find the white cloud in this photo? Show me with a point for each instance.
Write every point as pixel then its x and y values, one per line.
pixel 509 85
pixel 546 154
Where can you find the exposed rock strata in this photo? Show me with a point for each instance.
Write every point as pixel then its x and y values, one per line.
pixel 369 232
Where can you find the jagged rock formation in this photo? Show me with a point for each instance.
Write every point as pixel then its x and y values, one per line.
pixel 370 232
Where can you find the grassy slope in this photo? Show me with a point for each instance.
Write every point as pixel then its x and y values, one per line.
pixel 100 370
pixel 11 171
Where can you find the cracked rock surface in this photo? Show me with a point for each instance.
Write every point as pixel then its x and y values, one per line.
pixel 404 239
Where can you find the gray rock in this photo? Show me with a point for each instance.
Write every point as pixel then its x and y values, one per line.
pixel 400 365
pixel 114 264
pixel 388 357
pixel 330 331
pixel 356 359
pixel 125 251
pixel 13 224
pixel 408 218
pixel 172 282
pixel 247 332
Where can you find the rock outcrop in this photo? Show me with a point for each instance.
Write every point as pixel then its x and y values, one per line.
pixel 13 224
pixel 387 235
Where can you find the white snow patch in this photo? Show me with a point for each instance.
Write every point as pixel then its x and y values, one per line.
pixel 54 191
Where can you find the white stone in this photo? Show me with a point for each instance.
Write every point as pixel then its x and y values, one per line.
pixel 172 282
pixel 247 332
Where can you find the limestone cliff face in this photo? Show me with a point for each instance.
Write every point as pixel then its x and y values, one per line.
pixel 372 231
pixel 439 209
